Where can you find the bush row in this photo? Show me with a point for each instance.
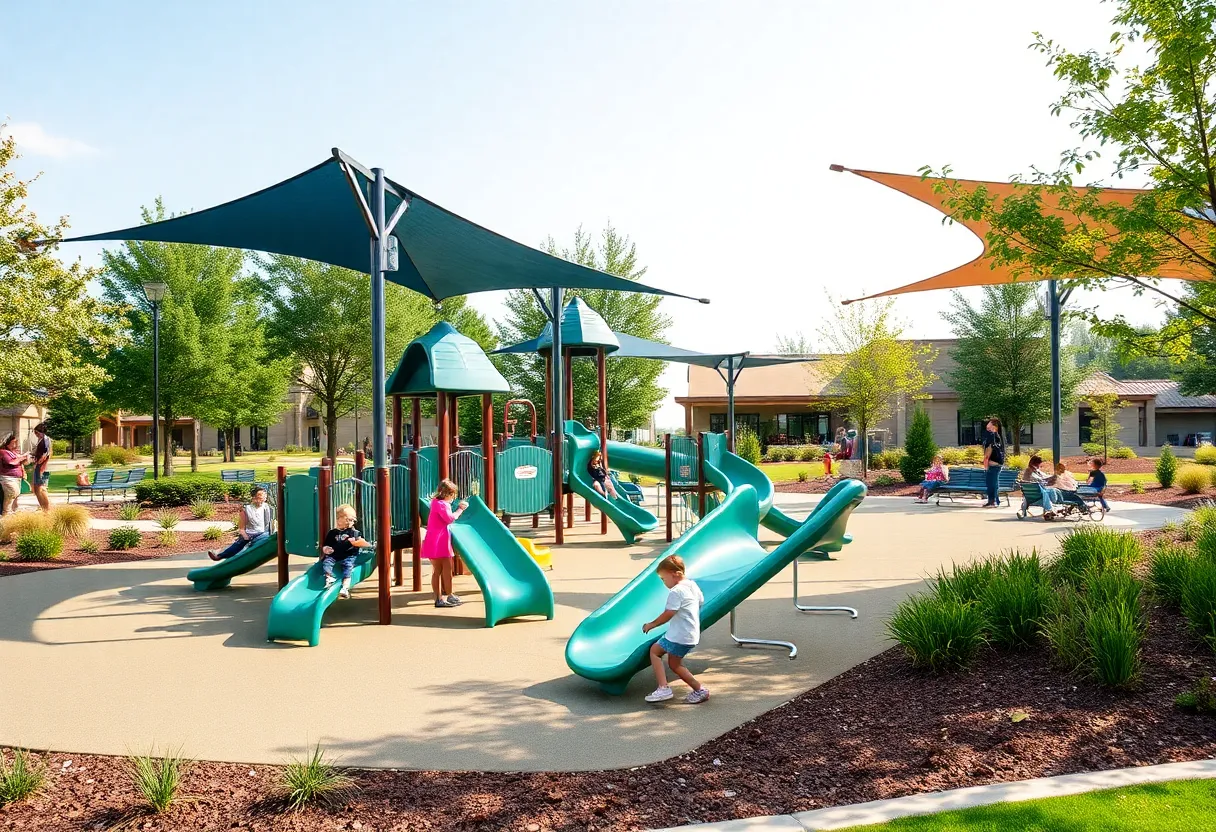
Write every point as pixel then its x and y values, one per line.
pixel 185 489
pixel 793 453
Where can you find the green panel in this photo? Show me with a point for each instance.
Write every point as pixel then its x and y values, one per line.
pixel 428 473
pixel 360 493
pixel 303 529
pixel 467 470
pixel 523 477
pixel 684 458
pixel 400 507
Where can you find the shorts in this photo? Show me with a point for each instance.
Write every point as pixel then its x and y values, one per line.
pixel 675 649
pixel 11 487
pixel 42 479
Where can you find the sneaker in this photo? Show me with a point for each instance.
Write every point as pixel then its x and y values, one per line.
pixel 454 601
pixel 345 592
pixel 330 580
pixel 696 697
pixel 443 602
pixel 660 695
pixel 214 555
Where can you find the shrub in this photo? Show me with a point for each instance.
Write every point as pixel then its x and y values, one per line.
pixel 291 449
pixel 890 459
pixel 18 523
pixel 1113 635
pixel 973 454
pixel 202 509
pixel 1205 454
pixel 166 519
pixel 1018 462
pixel 1137 487
pixel 1123 452
pixel 953 456
pixel 1064 629
pixel 1015 601
pixel 1115 588
pixel 1093 449
pixel 1169 571
pixel 1201 697
pixel 1193 478
pixel 213 533
pixel 271 458
pixel 129 511
pixel 802 476
pixel 166 537
pixel 111 456
pixel 39 544
pixel 1199 599
pixel 937 633
pixel 919 447
pixel 1093 549
pixel 243 490
pixel 158 779
pixel 1045 454
pixel 124 537
pixel 70 521
pixel 21 778
pixel 747 445
pixel 181 490
pixel 809 453
pixel 886 479
pixel 143 450
pixel 965 583
pixel 1167 467
pixel 88 545
pixel 313 779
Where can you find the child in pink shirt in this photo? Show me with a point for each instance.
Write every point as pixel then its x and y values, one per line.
pixel 437 545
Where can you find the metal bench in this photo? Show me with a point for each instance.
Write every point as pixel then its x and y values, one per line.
pixel 248 475
pixel 106 480
pixel 102 477
pixel 1082 504
pixel 629 490
pixel 972 481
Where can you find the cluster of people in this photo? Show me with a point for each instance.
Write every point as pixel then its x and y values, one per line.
pixel 13 470
pixel 1060 488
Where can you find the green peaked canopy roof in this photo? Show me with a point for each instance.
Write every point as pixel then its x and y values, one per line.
pixel 445 361
pixel 583 332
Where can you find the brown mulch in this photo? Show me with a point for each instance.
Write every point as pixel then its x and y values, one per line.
pixel 877 731
pixel 149 549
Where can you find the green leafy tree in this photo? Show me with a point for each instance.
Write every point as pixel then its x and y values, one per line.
pixel 919 446
pixel 1003 358
pixel 73 418
pixel 871 368
pixel 747 445
pixel 1094 352
pixel 1167 467
pixel 53 333
pixel 1158 116
pixel 794 344
pixel 196 323
pixel 633 390
pixel 1104 427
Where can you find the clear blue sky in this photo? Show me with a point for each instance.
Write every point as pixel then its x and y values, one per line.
pixel 703 130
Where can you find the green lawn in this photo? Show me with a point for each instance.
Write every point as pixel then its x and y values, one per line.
pixel 264 468
pixel 1160 807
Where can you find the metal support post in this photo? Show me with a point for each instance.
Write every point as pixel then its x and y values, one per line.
pixel 1053 311
pixel 557 421
pixel 761 642
pixel 813 608
pixel 379 256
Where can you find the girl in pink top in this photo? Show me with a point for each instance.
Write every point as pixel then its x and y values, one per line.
pixel 437 545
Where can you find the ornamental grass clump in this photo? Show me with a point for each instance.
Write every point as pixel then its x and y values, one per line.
pixel 1090 549
pixel 964 583
pixel 313 780
pixel 167 519
pixel 124 537
pixel 70 521
pixel 20 777
pixel 129 511
pixel 39 545
pixel 12 526
pixel 1064 629
pixel 158 779
pixel 1199 599
pixel 938 633
pixel 1114 634
pixel 1015 601
pixel 1168 573
pixel 202 509
pixel 1192 479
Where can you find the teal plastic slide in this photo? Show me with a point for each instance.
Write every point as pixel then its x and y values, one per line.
pixel 219 575
pixel 632 520
pixel 296 612
pixel 723 556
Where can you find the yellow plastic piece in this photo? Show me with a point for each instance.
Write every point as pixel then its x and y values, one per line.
pixel 541 554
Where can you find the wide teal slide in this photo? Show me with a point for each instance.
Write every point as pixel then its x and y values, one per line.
pixel 723 556
pixel 632 520
pixel 219 575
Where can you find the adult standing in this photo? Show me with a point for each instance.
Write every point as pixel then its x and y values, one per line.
pixel 42 465
pixel 12 472
pixel 994 461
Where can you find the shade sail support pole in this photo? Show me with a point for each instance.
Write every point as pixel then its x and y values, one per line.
pixel 364 208
pixel 1053 311
pixel 379 445
pixel 556 401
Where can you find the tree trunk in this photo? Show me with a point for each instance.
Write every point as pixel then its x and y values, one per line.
pixel 166 444
pixel 1016 427
pixel 194 449
pixel 331 434
pixel 229 445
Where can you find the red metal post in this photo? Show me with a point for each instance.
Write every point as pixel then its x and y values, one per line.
pixel 281 477
pixel 487 451
pixel 416 419
pixel 602 368
pixel 324 479
pixel 384 533
pixel 415 522
pixel 667 476
pixel 454 409
pixel 397 442
pixel 444 424
pixel 568 380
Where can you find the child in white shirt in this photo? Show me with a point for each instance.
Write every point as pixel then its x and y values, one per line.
pixel 682 615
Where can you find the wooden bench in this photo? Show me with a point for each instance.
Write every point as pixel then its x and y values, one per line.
pixel 972 481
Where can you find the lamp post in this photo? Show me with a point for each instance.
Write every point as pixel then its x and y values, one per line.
pixel 155 293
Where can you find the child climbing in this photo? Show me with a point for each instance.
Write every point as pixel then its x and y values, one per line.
pixel 437 545
pixel 341 544
pixel 682 615
pixel 599 477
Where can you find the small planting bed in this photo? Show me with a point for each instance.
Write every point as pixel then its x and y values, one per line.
pixel 149 548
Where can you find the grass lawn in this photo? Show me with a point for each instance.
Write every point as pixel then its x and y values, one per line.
pixel 788 471
pixel 264 468
pixel 1158 807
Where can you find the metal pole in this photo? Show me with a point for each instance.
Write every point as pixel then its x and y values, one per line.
pixel 557 422
pixel 155 390
pixel 379 446
pixel 281 536
pixel 601 366
pixel 730 404
pixel 1053 304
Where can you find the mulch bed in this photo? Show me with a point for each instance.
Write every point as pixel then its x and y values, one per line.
pixel 148 549
pixel 224 512
pixel 877 731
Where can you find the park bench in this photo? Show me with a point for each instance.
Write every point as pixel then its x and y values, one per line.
pixel 247 475
pixel 964 481
pixel 1081 504
pixel 106 480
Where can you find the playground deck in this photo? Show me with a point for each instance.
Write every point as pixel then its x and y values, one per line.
pixel 111 659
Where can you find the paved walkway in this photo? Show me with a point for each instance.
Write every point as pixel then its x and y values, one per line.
pixel 881 811
pixel 146 659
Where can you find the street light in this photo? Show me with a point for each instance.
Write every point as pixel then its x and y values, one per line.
pixel 155 293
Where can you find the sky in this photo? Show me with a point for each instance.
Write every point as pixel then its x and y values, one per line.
pixel 702 130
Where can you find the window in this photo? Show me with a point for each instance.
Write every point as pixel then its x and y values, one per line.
pixel 971 432
pixel 314 437
pixel 717 423
pixel 257 437
pixel 1142 431
pixel 1087 420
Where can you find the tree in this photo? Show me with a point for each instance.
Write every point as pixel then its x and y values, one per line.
pixel 73 418
pixel 795 344
pixel 195 326
pixel 321 316
pixel 919 446
pixel 870 367
pixel 52 332
pixel 1104 427
pixel 1159 118
pixel 633 390
pixel 1003 358
pixel 1093 352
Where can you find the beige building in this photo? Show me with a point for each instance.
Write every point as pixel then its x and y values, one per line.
pixel 795 404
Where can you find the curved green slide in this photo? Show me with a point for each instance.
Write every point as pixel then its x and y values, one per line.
pixel 724 558
pixel 581 443
pixel 297 610
pixel 219 575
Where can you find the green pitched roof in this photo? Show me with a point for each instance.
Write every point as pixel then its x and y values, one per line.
pixel 583 332
pixel 443 360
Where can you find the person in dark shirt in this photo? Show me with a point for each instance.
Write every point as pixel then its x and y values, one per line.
pixel 42 458
pixel 1097 481
pixel 994 461
pixel 599 477
pixel 342 543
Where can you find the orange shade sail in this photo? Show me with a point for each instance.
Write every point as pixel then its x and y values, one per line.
pixel 979 272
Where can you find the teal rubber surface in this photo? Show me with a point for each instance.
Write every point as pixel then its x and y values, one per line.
pixel 297 610
pixel 632 520
pixel 218 575
pixel 723 556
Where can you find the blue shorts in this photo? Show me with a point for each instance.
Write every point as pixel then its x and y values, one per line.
pixel 42 479
pixel 677 650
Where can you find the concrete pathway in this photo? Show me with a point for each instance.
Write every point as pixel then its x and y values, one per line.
pixel 881 811
pixel 162 663
pixel 151 526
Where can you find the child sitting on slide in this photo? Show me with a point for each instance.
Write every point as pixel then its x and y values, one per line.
pixel 341 544
pixel 599 477
pixel 437 545
pixel 682 615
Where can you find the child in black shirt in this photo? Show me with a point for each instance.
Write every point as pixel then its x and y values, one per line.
pixel 341 544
